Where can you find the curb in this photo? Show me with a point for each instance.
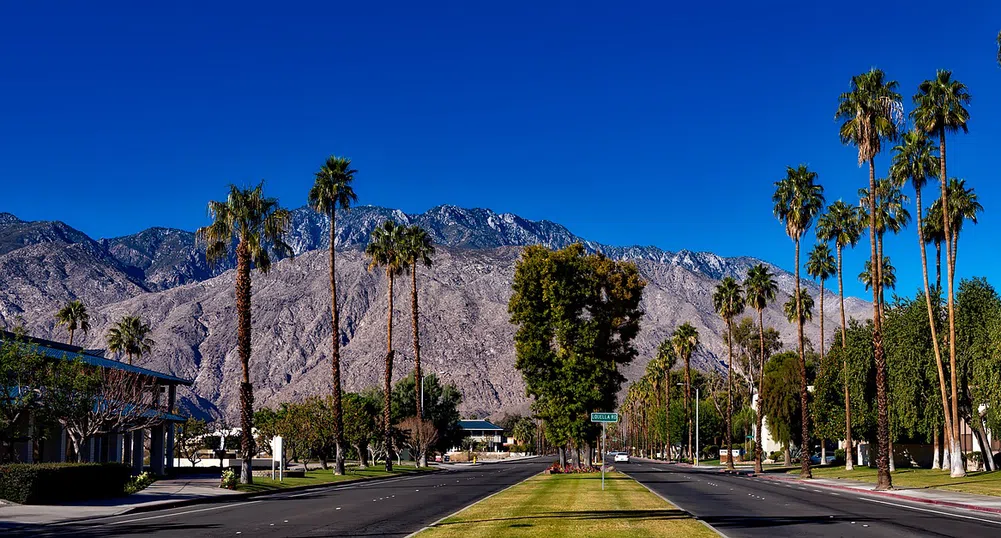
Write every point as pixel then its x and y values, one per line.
pixel 891 495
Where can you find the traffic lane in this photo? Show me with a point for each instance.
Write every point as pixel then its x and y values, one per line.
pixel 394 507
pixel 745 506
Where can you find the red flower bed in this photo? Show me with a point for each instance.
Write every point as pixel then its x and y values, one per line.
pixel 556 468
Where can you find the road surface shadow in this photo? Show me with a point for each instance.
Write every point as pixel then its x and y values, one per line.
pixel 583 515
pixel 752 522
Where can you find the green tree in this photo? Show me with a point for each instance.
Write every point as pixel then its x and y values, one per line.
pixel 441 407
pixel 685 340
pixel 361 413
pixel 781 403
pixel 576 316
pixel 842 224
pixel 385 250
pixel 662 365
pixel 417 250
pixel 761 288
pixel 940 108
pixel 74 316
pixel 870 114
pixel 22 377
pixel 188 439
pixel 258 225
pixel 798 200
pixel 821 266
pixel 130 336
pixel 728 301
pixel 977 309
pixel 331 191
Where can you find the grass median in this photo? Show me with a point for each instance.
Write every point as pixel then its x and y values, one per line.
pixel 572 505
pixel 322 477
pixel 980 483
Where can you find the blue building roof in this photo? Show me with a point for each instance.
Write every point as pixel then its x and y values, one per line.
pixel 478 425
pixel 56 350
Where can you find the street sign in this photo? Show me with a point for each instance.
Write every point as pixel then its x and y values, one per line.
pixel 604 417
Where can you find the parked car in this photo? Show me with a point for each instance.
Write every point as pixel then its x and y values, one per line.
pixel 815 459
pixel 621 457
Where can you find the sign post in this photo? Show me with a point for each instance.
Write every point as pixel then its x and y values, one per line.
pixel 604 418
pixel 277 452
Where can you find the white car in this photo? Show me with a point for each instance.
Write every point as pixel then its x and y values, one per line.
pixel 621 457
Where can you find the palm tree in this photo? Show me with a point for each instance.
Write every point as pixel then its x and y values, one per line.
pixel 666 359
pixel 417 250
pixel 804 312
pixel 258 225
pixel 821 265
pixel 798 200
pixel 332 190
pixel 870 113
pixel 728 300
pixel 842 224
pixel 964 205
pixel 386 250
pixel 914 161
pixel 888 274
pixel 761 288
pixel 940 107
pixel 931 227
pixel 685 339
pixel 74 316
pixel 891 215
pixel 131 337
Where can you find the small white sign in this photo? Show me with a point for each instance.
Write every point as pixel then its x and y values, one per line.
pixel 277 456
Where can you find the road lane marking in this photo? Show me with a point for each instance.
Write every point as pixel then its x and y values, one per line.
pixel 950 514
pixel 182 513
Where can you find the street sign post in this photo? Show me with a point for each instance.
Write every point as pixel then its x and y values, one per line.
pixel 604 418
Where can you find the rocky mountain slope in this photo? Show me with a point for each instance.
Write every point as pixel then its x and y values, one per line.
pixel 161 274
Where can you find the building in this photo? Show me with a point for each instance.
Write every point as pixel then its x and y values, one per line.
pixel 37 443
pixel 490 435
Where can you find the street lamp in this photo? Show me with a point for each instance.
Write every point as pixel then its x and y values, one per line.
pixel 695 456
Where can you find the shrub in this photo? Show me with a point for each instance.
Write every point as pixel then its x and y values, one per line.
pixel 710 452
pixel 139 483
pixel 555 468
pixel 229 479
pixel 776 456
pixel 48 483
pixel 839 457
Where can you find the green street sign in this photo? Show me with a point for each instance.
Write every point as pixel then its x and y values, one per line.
pixel 604 417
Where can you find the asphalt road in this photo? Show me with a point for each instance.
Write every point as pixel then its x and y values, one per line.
pixel 741 506
pixel 393 507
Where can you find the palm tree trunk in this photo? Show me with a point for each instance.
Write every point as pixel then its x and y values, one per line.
pixel 883 480
pixel 823 343
pixel 956 467
pixel 803 395
pixel 761 386
pixel 936 462
pixel 688 403
pixel 387 424
pixel 729 396
pixel 71 336
pixel 849 452
pixel 938 265
pixel 418 379
pixel 879 276
pixel 335 359
pixel 933 325
pixel 667 414
pixel 243 346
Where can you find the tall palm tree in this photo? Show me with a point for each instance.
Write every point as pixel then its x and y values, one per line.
pixel 842 224
pixel 870 114
pixel 728 301
pixel 332 190
pixel 258 226
pixel 914 161
pixel 685 339
pixel 891 215
pixel 804 312
pixel 130 335
pixel 760 288
pixel 888 274
pixel 820 265
pixel 74 316
pixel 666 358
pixel 940 107
pixel 931 227
pixel 798 200
pixel 417 250
pixel 385 250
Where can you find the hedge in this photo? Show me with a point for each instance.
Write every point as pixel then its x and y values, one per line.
pixel 50 483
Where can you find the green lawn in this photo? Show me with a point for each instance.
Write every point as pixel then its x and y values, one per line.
pixel 323 477
pixel 981 483
pixel 572 505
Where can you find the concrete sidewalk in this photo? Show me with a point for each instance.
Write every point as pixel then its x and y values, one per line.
pixel 160 493
pixel 952 499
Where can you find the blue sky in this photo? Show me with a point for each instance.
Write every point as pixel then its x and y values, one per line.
pixel 630 123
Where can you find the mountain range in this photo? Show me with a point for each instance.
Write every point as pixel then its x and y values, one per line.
pixel 161 274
